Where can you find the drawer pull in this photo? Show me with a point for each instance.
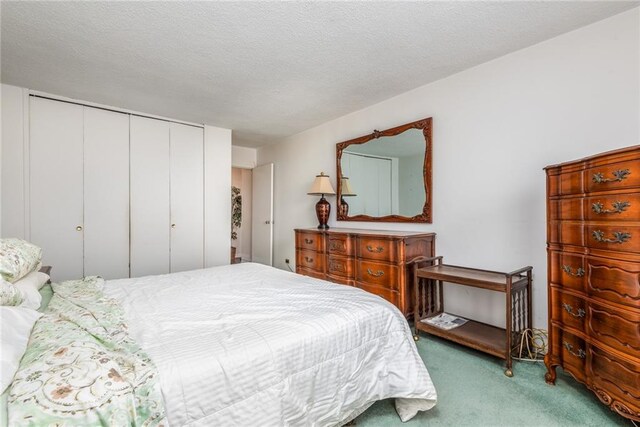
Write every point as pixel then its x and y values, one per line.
pixel 618 237
pixel 581 354
pixel 376 274
pixel 569 309
pixel 579 272
pixel 618 207
pixel 375 250
pixel 308 259
pixel 619 175
pixel 308 241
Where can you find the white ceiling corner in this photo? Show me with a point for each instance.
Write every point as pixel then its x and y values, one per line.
pixel 267 70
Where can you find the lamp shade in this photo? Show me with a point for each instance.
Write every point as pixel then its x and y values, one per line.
pixel 345 187
pixel 321 185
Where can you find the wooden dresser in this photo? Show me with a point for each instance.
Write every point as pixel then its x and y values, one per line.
pixel 593 234
pixel 380 262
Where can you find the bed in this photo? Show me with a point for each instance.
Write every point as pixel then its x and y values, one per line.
pixel 247 344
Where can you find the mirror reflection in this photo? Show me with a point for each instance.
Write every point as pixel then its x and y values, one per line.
pixel 385 176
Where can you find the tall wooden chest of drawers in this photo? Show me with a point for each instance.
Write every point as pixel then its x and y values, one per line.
pixel 593 246
pixel 379 262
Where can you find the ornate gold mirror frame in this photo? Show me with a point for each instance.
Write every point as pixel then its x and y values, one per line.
pixel 425 215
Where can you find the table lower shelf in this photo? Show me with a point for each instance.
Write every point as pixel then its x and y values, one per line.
pixel 473 334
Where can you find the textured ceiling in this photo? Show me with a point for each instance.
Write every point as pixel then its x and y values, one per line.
pixel 264 69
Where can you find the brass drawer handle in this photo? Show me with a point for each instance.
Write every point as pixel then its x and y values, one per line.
pixel 581 354
pixel 308 259
pixel 376 274
pixel 376 250
pixel 579 272
pixel 619 175
pixel 569 309
pixel 618 207
pixel 618 237
pixel 308 241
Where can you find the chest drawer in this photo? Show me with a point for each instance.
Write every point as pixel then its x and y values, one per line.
pixel 572 352
pixel 568 270
pixel 377 249
pixel 616 281
pixel 379 274
pixel 619 207
pixel 310 241
pixel 613 176
pixel 340 244
pixel 569 310
pixel 619 329
pixel 310 260
pixel 614 237
pixel 620 378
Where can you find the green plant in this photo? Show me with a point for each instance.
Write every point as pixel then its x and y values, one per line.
pixel 236 212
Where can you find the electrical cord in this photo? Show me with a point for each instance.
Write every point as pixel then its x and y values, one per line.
pixel 533 345
pixel 289 267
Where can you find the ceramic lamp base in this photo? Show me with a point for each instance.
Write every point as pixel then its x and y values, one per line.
pixel 323 209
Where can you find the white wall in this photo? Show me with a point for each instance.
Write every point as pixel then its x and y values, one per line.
pixel 495 127
pixel 14 148
pixel 14 131
pixel 243 157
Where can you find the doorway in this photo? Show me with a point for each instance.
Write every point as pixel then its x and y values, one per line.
pixel 241 211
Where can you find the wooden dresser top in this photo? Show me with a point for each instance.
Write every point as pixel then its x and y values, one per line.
pixel 368 232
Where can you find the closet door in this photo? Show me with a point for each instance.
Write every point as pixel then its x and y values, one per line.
pixel 106 193
pixel 149 172
pixel 187 197
pixel 55 198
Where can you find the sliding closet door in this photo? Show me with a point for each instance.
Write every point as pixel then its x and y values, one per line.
pixel 55 169
pixel 106 193
pixel 149 172
pixel 187 197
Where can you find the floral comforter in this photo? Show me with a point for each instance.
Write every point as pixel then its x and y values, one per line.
pixel 82 368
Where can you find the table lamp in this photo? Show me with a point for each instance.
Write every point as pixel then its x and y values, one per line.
pixel 321 186
pixel 345 191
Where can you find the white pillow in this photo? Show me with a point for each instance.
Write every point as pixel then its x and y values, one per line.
pixel 29 286
pixel 15 328
pixel 9 294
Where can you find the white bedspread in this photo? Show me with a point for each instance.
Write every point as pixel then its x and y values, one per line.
pixel 248 344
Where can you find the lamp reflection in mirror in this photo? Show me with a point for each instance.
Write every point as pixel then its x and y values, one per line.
pixel 321 186
pixel 343 207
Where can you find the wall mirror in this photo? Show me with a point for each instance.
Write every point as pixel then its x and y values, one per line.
pixel 386 176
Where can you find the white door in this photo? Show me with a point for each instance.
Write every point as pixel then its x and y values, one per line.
pixel 106 193
pixel 150 186
pixel 55 170
pixel 262 215
pixel 187 197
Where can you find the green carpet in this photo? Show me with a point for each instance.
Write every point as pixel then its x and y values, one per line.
pixel 473 391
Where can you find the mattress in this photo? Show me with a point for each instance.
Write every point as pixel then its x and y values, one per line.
pixel 246 344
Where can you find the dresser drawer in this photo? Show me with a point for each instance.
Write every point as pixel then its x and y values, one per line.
pixel 568 270
pixel 569 310
pixel 388 294
pixel 310 273
pixel 565 183
pixel 310 240
pixel 567 208
pixel 618 207
pixel 340 244
pixel 340 266
pixel 613 176
pixel 310 260
pixel 377 249
pixel 376 273
pixel 616 281
pixel 616 378
pixel 613 237
pixel 619 329
pixel 571 351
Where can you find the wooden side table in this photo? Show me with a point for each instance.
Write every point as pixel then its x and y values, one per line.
pixel 516 286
